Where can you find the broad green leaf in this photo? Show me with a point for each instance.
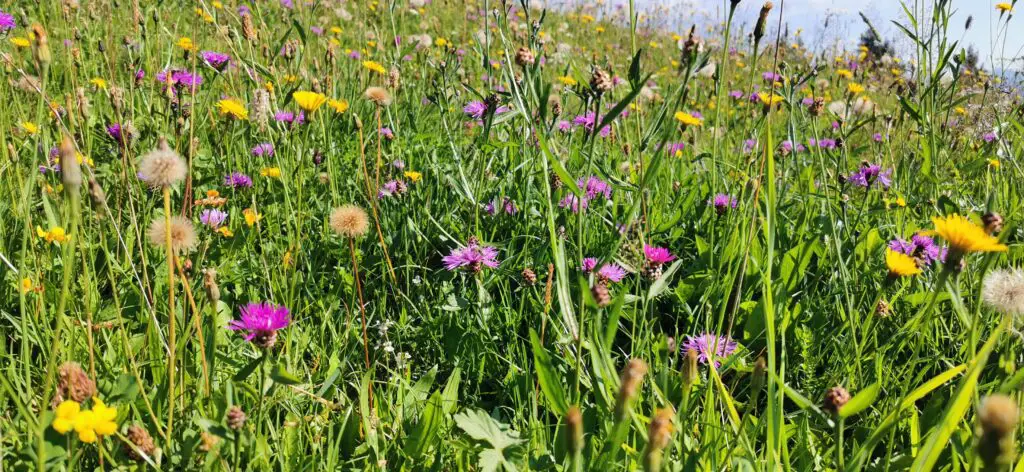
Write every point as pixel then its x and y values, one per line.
pixel 550 381
pixel 860 401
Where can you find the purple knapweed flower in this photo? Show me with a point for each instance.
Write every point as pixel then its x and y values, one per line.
pixel 723 202
pixel 215 59
pixel 657 255
pixel 213 217
pixel 475 109
pixel 710 347
pixel 921 247
pixel 870 174
pixel 182 79
pixel 472 256
pixel 676 149
pixel 989 137
pixel 594 186
pixel 7 22
pixel 260 322
pixel 237 180
pixel 573 203
pixel 387 133
pixel 611 272
pixel 263 150
pixel 564 126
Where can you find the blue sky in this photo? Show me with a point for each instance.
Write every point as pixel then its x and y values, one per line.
pixel 845 25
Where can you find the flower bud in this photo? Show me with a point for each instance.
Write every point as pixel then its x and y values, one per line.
pixel 630 380
pixel 761 19
pixel 70 170
pixel 574 430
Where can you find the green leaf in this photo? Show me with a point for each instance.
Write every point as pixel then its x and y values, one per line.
pixel 659 286
pixel 481 427
pixel 860 401
pixel 283 377
pixel 248 369
pixel 548 378
pixel 426 429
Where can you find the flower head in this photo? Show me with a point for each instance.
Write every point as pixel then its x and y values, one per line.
pixel 473 256
pixel 213 218
pixel 309 101
pixel 260 323
pixel 869 175
pixel 1003 290
pixel 263 150
pixel 7 22
pixel 689 119
pixel 611 272
pixel 215 60
pixel 378 95
pixel 964 236
pixel 237 180
pixel 162 167
pixel 233 108
pixel 900 265
pixel 349 221
pixel 183 235
pixel 710 347
pixel 66 413
pixel 723 202
pixel 1004 7
pixel 657 255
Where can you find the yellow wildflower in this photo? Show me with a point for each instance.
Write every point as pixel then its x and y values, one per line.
pixel 20 41
pixel 440 42
pixel 251 217
pixel 185 43
pixel 55 234
pixel 224 231
pixel 964 236
pixel 374 66
pixel 233 108
pixel 567 81
pixel 339 106
pixel 900 265
pixel 844 73
pixel 413 176
pixel 994 163
pixel 1004 7
pixel 66 413
pixel 854 88
pixel 217 5
pixel 26 284
pixel 272 172
pixel 772 99
pixel 309 101
pixel 99 83
pixel 104 423
pixel 688 119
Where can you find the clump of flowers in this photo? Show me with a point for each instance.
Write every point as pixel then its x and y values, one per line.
pixel 920 247
pixel 260 323
pixel 89 424
pixel 710 347
pixel 473 257
pixel 610 272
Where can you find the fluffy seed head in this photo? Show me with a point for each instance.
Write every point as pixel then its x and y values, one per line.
pixel 183 235
pixel 349 221
pixel 1004 290
pixel 162 167
pixel 378 95
pixel 998 415
pixel 70 170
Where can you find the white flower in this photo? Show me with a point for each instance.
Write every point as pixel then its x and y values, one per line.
pixel 1003 290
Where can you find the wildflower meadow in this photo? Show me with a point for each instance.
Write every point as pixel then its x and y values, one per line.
pixel 503 235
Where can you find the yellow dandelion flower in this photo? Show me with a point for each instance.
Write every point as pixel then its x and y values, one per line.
pixel 339 106
pixel 960 111
pixel 374 66
pixel 66 413
pixel 413 176
pixel 688 119
pixel 994 163
pixel 854 88
pixel 567 81
pixel 217 5
pixel 272 172
pixel 772 99
pixel 309 101
pixel 335 30
pixel 441 42
pixel 964 236
pixel 26 284
pixel 224 231
pixel 233 108
pixel 29 127
pixel 99 83
pixel 900 265
pixel 844 73
pixel 20 41
pixel 1004 7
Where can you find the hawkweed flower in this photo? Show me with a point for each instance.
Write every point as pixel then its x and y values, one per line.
pixel 162 167
pixel 900 265
pixel 213 218
pixel 260 323
pixel 1004 7
pixel 218 61
pixel 183 235
pixel 309 101
pixel 233 108
pixel 964 237
pixel 339 106
pixel 722 202
pixel 473 256
pixel 689 119
pixel 237 180
pixel 1003 290
pixel 710 347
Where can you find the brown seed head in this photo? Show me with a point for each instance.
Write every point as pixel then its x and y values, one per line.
pixel 378 95
pixel 630 380
pixel 70 170
pixel 142 442
pixel 183 235
pixel 73 384
pixel 349 221
pixel 998 415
